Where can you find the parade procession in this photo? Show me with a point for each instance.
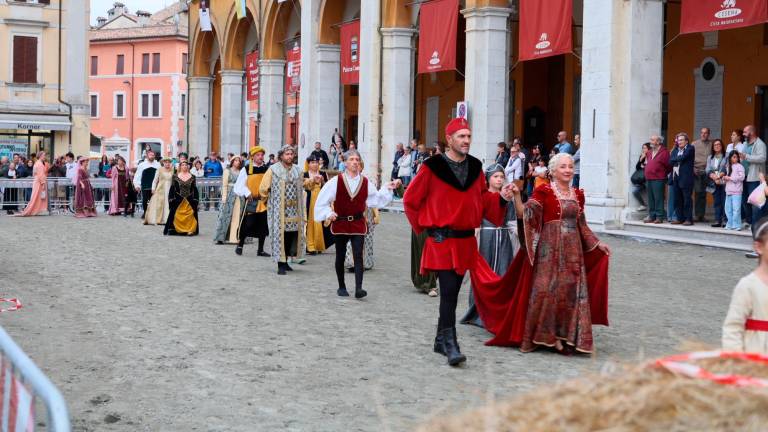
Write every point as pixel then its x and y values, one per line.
pixel 384 215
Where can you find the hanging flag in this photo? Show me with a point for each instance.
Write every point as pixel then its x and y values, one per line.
pixel 545 28
pixel 350 53
pixel 438 25
pixel 293 67
pixel 205 16
pixel 252 75
pixel 240 9
pixel 710 15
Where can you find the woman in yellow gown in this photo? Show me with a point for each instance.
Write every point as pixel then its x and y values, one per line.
pixel 183 199
pixel 314 179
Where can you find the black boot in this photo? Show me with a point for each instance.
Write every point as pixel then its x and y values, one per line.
pixel 451 347
pixel 342 292
pixel 360 292
pixel 281 268
pixel 438 348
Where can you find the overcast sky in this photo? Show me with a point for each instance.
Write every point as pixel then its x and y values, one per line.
pixel 100 7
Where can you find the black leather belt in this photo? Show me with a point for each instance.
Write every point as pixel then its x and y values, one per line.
pixel 350 218
pixel 440 234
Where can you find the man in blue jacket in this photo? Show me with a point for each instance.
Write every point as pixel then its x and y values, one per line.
pixel 682 159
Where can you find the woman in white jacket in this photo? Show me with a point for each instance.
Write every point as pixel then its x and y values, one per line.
pixel 405 166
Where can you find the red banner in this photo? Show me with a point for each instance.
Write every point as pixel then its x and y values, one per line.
pixel 545 28
pixel 350 53
pixel 252 75
pixel 438 25
pixel 293 67
pixel 710 15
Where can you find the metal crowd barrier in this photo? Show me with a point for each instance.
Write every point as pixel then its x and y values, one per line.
pixel 23 386
pixel 15 194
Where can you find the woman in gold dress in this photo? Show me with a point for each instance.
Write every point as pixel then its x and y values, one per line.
pixel 183 199
pixel 157 209
pixel 314 179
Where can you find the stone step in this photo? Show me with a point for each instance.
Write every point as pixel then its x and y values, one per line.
pixel 701 234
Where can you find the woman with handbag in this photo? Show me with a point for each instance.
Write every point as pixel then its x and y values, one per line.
pixel 638 177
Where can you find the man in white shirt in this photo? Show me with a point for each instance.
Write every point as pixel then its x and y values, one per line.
pixel 145 175
pixel 514 169
pixel 350 200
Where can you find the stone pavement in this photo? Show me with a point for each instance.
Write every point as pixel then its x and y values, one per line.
pixel 147 333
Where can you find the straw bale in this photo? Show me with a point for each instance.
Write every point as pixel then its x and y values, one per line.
pixel 640 398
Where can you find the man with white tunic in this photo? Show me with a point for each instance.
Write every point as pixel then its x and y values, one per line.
pixel 351 194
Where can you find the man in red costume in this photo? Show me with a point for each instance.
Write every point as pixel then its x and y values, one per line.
pixel 446 199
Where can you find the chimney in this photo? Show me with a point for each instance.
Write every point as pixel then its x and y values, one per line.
pixel 100 21
pixel 117 10
pixel 143 16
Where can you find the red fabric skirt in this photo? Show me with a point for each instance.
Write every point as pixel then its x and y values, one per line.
pixel 502 302
pixel 457 254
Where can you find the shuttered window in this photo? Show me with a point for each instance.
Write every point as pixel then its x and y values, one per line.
pixel 156 63
pixel 184 61
pixel 119 105
pixel 150 105
pixel 94 65
pixel 145 63
pixel 120 69
pixel 24 59
pixel 94 106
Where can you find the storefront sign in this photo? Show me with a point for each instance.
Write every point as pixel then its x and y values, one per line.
pixel 545 28
pixel 438 25
pixel 10 145
pixel 252 75
pixel 293 68
pixel 711 15
pixel 350 53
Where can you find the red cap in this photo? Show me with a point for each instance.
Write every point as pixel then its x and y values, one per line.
pixel 456 125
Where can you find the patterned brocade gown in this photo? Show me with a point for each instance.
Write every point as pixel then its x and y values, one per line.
pixel 558 306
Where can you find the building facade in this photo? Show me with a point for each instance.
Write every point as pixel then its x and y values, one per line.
pixel 137 77
pixel 43 82
pixel 629 74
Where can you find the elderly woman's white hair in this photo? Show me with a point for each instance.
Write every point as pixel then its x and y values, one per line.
pixel 556 159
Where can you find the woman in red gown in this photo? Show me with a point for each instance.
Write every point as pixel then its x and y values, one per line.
pixel 557 285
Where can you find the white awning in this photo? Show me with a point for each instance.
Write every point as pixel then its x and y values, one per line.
pixel 34 122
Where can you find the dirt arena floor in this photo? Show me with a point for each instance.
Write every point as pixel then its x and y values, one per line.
pixel 149 333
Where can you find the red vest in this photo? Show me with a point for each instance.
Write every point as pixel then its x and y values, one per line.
pixel 350 207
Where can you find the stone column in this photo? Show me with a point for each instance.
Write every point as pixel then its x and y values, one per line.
pixel 397 93
pixel 199 115
pixel 271 87
pixel 369 125
pixel 486 81
pixel 231 111
pixel 621 100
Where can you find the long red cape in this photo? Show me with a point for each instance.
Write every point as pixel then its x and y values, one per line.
pixel 503 301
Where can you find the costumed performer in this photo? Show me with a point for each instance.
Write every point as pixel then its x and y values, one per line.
pixel 38 200
pixel 746 325
pixel 143 179
pixel 445 199
pixel 426 283
pixel 228 221
pixel 157 211
pixel 282 187
pixel 123 196
pixel 557 285
pixel 317 233
pixel 254 209
pixel 84 204
pixel 351 193
pixel 498 232
pixel 183 202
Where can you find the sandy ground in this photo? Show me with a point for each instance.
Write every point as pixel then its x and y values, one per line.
pixel 147 333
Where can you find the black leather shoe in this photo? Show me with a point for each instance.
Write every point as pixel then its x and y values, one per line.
pixel 342 292
pixel 239 250
pixel 360 293
pixel 263 254
pixel 287 267
pixel 281 269
pixel 451 347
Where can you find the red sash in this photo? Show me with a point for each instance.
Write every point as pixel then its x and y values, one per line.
pixel 756 325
